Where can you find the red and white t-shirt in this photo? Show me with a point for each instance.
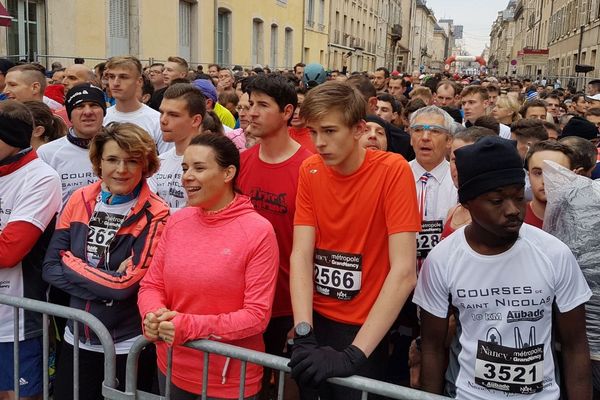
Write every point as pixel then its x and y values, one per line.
pixel 29 194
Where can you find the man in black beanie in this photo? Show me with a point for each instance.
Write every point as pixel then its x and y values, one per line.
pixel 377 135
pixel 68 155
pixel 502 278
pixel 580 127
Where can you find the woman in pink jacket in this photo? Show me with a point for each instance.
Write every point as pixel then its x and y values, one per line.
pixel 213 276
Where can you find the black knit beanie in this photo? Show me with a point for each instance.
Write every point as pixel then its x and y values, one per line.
pixel 486 165
pixel 84 92
pixel 578 126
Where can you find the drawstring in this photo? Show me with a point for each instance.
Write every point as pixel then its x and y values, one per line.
pixel 224 373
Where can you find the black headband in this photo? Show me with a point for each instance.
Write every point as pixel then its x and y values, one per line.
pixel 15 132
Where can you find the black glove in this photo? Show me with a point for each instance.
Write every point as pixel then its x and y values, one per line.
pixel 313 367
pixel 304 344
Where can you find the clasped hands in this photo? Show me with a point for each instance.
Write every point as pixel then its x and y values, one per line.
pixel 158 325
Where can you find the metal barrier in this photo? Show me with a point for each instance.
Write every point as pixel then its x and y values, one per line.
pixel 365 385
pixel 109 385
pixel 47 309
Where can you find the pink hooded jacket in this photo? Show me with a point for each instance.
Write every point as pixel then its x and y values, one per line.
pixel 218 271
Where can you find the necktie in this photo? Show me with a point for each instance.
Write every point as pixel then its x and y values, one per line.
pixel 423 197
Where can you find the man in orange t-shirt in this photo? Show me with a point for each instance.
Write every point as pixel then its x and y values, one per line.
pixel 353 256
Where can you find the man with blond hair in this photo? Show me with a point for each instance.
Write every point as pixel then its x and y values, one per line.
pixel 124 79
pixel 348 285
pixel 174 68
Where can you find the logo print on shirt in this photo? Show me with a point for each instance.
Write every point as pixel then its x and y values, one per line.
pixel 267 201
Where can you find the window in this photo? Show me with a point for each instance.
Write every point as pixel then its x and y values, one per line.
pixel 185 29
pixel 274 46
pixel 26 35
pixel 289 49
pixel 322 12
pixel 310 13
pixel 118 28
pixel 224 37
pixel 257 41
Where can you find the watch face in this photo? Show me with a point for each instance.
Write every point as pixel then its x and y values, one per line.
pixel 302 329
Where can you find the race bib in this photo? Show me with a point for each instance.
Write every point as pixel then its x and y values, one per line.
pixel 337 275
pixel 102 229
pixel 519 371
pixel 429 237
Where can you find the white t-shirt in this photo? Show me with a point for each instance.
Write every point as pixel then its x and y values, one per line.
pixel 437 197
pixel 505 131
pixel 503 307
pixel 167 181
pixel 146 118
pixel 72 164
pixel 30 194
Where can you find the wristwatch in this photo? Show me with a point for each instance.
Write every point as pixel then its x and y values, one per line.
pixel 302 330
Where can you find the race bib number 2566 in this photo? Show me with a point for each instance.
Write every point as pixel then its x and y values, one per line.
pixel 337 274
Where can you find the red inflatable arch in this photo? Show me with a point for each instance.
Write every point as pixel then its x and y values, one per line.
pixel 453 58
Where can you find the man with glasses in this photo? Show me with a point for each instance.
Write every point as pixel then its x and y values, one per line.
pixel 155 73
pixel 431 138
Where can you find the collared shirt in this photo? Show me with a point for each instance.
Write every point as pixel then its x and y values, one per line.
pixel 440 193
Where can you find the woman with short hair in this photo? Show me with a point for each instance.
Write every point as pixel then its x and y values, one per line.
pixel 101 249
pixel 506 110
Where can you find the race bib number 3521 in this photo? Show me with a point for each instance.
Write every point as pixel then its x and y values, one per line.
pixel 508 369
pixel 337 274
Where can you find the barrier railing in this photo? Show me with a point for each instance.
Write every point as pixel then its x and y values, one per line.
pixel 365 385
pixel 47 309
pixel 109 385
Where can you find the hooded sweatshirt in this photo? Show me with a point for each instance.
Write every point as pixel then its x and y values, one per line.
pixel 218 271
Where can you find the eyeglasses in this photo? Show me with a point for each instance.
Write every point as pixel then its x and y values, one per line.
pixel 434 130
pixel 129 163
pixel 242 108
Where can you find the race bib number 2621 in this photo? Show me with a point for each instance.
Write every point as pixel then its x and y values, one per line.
pixel 337 274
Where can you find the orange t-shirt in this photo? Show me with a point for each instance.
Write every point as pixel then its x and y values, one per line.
pixel 353 216
pixel 302 136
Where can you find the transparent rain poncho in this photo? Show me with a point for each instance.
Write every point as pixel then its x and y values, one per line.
pixel 573 216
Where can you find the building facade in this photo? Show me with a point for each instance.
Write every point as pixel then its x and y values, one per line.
pixel 274 33
pixel 201 31
pixel 424 25
pixel 354 34
pixel 549 38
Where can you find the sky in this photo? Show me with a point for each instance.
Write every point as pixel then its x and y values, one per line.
pixel 476 16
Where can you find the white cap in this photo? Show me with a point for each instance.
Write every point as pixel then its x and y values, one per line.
pixel 595 97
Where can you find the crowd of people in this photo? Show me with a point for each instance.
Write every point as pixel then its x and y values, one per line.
pixel 383 224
